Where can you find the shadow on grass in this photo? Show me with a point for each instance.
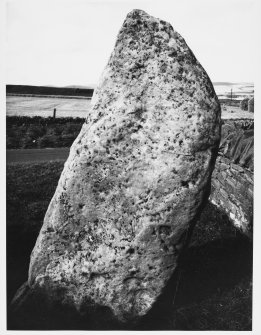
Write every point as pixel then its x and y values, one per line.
pixel 211 281
pixel 19 248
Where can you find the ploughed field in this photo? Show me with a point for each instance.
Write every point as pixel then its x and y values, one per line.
pixel 212 287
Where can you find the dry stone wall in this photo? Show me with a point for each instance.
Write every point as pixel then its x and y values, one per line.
pixel 232 179
pixel 232 191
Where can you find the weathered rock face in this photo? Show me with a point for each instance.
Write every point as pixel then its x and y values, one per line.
pixel 136 177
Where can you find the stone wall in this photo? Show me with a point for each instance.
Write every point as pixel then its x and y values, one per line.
pixel 232 179
pixel 232 191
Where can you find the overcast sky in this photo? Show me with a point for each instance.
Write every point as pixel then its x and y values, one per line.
pixel 68 42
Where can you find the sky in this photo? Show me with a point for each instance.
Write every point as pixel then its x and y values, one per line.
pixel 68 42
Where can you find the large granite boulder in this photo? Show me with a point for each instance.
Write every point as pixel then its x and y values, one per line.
pixel 136 178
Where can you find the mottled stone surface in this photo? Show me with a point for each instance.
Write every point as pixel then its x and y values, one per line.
pixel 136 177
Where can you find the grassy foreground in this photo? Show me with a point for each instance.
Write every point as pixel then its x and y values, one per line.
pixel 210 290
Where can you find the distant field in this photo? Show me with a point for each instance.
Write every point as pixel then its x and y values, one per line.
pixel 19 105
pixel 234 112
pixel 239 90
pixel 50 90
pixel 39 106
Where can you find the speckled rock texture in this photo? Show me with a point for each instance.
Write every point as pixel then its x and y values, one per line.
pixel 136 177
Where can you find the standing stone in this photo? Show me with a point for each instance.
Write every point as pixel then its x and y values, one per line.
pixel 244 104
pixel 136 177
pixel 251 105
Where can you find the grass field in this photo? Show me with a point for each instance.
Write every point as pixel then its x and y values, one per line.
pixel 210 290
pixel 36 155
pixel 39 106
pixel 78 107
pixel 234 112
